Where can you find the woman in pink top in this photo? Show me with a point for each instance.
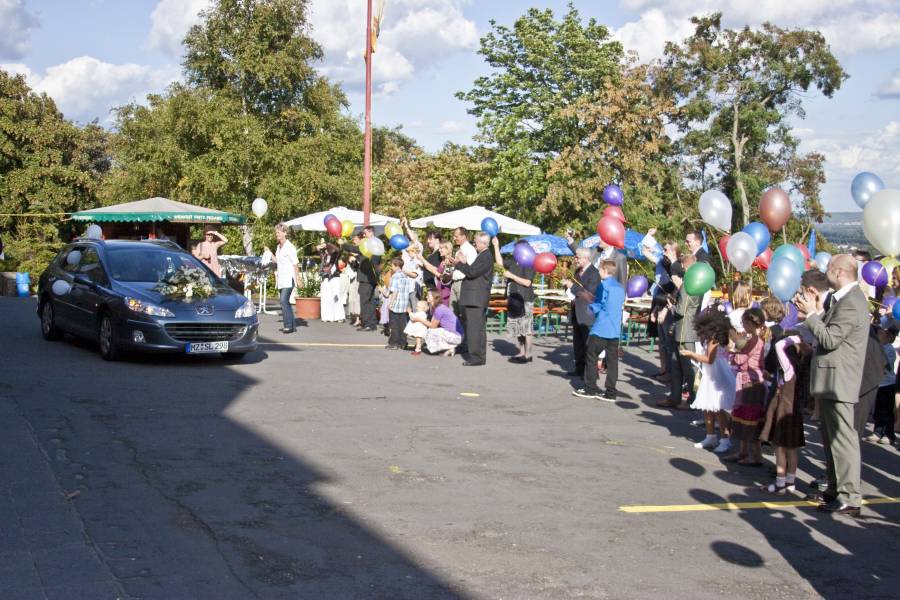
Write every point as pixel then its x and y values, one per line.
pixel 749 411
pixel 208 250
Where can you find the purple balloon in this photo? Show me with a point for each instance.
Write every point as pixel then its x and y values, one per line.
pixel 637 286
pixel 727 307
pixel 612 194
pixel 874 273
pixel 524 255
pixel 888 302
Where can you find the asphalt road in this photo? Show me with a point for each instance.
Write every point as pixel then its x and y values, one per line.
pixel 355 472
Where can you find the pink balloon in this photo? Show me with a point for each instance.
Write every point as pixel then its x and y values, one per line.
pixel 611 231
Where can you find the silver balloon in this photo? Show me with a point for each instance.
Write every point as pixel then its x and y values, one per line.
pixel 375 246
pixel 864 186
pixel 822 259
pixel 259 207
pixel 73 258
pixel 741 251
pixel 94 232
pixel 60 287
pixel 715 209
pixel 881 222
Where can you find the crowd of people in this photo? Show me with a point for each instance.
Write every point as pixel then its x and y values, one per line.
pixel 757 368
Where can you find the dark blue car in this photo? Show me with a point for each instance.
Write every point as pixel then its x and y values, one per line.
pixel 104 291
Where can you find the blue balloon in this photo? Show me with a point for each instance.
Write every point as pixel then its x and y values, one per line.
pixel 784 278
pixel 822 259
pixel 864 186
pixel 489 226
pixel 896 311
pixel 399 242
pixel 760 234
pixel 791 252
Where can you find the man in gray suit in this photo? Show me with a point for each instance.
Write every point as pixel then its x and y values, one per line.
pixel 841 334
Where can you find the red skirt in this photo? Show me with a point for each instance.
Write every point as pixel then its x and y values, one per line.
pixel 749 414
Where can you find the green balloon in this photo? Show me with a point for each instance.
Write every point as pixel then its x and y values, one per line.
pixel 699 279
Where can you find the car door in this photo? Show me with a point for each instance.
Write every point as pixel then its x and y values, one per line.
pixel 63 304
pixel 86 299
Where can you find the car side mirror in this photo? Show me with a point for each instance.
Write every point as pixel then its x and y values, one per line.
pixel 83 280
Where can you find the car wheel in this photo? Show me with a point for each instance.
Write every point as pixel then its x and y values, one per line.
pixel 48 322
pixel 109 345
pixel 234 356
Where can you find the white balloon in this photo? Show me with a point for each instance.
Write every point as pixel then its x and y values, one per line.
pixel 822 260
pixel 375 246
pixel 60 287
pixel 259 207
pixel 73 258
pixel 715 209
pixel 881 222
pixel 94 232
pixel 741 251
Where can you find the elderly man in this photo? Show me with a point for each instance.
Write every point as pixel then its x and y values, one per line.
pixel 474 295
pixel 841 334
pixel 581 289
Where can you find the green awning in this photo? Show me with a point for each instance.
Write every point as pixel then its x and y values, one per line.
pixel 156 210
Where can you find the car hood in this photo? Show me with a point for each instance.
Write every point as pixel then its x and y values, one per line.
pixel 224 301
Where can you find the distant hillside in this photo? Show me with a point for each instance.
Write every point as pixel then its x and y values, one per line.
pixel 844 229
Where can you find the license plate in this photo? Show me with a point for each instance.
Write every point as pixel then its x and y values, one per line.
pixel 206 347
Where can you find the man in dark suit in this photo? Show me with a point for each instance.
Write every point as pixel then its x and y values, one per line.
pixel 586 280
pixel 474 295
pixel 683 338
pixel 841 335
pixel 694 241
pixel 367 275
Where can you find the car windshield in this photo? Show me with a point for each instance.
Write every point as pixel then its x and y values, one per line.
pixel 149 265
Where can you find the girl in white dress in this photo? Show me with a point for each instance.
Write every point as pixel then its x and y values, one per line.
pixel 416 327
pixel 715 395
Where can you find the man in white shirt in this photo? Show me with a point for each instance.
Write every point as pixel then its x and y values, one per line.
pixel 287 276
pixel 465 254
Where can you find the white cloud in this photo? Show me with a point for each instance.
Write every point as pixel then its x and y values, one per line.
pixel 850 26
pixel 451 127
pixel 891 88
pixel 878 152
pixel 85 88
pixel 649 34
pixel 16 24
pixel 170 21
pixel 415 34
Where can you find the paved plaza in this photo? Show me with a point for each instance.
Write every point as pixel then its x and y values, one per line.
pixel 323 466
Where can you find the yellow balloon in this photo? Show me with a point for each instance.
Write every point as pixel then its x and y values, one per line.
pixel 347 227
pixel 392 229
pixel 364 250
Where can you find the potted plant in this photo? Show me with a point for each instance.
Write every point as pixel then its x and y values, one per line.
pixel 308 303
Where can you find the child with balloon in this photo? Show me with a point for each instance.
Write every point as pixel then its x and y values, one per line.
pixel 715 394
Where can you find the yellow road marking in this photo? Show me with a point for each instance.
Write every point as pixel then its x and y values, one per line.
pixel 741 505
pixel 469 394
pixel 321 344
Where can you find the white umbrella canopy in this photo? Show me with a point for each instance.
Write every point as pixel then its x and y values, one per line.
pixel 316 221
pixel 471 218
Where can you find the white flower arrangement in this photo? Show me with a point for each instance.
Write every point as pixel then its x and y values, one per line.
pixel 186 284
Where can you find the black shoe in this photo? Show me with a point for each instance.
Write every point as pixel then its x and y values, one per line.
pixel 608 396
pixel 473 363
pixel 583 393
pixel 836 507
pixel 369 328
pixel 291 330
pixel 820 497
pixel 521 360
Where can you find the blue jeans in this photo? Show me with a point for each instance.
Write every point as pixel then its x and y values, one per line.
pixel 287 313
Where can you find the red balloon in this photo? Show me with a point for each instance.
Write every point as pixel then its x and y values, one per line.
pixel 614 210
pixel 762 261
pixel 723 246
pixel 611 231
pixel 804 250
pixel 333 227
pixel 545 262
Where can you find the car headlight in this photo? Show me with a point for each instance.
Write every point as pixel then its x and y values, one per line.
pixel 139 306
pixel 246 310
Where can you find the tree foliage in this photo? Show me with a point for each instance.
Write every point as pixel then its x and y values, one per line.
pixel 735 91
pixel 48 166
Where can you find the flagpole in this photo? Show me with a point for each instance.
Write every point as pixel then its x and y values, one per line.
pixel 367 157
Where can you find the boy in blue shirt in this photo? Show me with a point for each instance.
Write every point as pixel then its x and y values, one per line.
pixel 605 334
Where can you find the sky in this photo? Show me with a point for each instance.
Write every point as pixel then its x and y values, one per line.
pixel 93 55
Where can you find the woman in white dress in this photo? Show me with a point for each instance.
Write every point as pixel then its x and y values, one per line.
pixel 330 290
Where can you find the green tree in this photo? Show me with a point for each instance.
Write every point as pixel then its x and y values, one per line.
pixel 48 166
pixel 736 91
pixel 541 67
